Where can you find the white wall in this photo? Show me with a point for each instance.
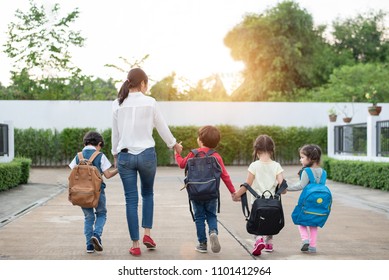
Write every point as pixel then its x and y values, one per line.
pixel 67 114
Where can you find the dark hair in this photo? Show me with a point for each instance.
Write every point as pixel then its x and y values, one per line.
pixel 263 144
pixel 93 138
pixel 134 79
pixel 209 136
pixel 312 152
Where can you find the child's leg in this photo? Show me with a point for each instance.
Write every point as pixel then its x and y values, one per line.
pixel 268 239
pixel 199 215
pixel 89 222
pixel 313 236
pixel 210 214
pixel 101 215
pixel 304 233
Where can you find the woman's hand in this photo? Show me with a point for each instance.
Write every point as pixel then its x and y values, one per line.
pixel 178 148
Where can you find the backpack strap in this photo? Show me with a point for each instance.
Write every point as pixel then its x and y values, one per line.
pixel 311 177
pixel 93 156
pixel 191 210
pixel 80 156
pixel 281 188
pixel 323 177
pixel 243 200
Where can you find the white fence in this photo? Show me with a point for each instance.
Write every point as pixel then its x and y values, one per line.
pixel 97 114
pixel 79 114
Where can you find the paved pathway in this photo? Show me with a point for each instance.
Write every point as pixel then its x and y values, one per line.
pixel 38 223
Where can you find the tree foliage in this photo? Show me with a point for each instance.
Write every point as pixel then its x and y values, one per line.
pixel 364 37
pixel 74 88
pixel 281 50
pixel 165 89
pixel 286 57
pixel 351 83
pixel 40 41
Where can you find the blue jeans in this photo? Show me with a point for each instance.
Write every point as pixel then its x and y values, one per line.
pixel 205 211
pixel 95 218
pixel 129 166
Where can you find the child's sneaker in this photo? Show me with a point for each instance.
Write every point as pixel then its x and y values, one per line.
pixel 201 247
pixel 90 248
pixel 311 249
pixel 258 247
pixel 268 248
pixel 97 242
pixel 215 245
pixel 304 247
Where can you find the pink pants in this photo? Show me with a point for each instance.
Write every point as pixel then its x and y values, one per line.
pixel 308 233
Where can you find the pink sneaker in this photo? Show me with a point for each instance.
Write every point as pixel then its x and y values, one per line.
pixel 268 248
pixel 258 247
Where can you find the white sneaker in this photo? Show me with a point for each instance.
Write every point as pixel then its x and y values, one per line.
pixel 215 245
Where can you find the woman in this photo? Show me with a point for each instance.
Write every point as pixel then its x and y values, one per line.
pixel 135 115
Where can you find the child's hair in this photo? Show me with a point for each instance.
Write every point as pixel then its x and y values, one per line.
pixel 209 136
pixel 312 152
pixel 93 138
pixel 134 79
pixel 263 144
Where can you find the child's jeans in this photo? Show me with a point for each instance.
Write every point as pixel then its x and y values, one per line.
pixel 94 221
pixel 205 211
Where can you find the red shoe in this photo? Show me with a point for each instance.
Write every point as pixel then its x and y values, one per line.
pixel 268 248
pixel 135 251
pixel 150 244
pixel 258 247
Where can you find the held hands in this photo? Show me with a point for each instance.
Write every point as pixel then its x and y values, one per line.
pixel 178 148
pixel 235 197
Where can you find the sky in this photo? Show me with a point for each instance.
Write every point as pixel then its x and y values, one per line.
pixel 181 36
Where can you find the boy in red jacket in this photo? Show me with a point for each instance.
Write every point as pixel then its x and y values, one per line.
pixel 208 138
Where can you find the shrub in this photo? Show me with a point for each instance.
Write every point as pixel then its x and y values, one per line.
pixel 14 173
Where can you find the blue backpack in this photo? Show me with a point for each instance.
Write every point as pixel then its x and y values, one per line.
pixel 202 179
pixel 314 204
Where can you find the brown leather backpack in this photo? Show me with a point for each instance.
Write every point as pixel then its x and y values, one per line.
pixel 85 182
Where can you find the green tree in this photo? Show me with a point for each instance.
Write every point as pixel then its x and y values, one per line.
pixel 39 41
pixel 363 37
pixel 351 83
pixel 282 51
pixel 208 89
pixel 165 90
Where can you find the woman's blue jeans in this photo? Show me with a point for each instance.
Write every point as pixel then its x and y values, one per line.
pixel 95 218
pixel 205 211
pixel 129 167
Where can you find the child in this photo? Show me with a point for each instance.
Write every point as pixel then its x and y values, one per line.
pixel 95 218
pixel 309 157
pixel 208 138
pixel 263 174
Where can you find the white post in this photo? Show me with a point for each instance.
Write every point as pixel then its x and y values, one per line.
pixel 11 143
pixel 371 136
pixel 331 139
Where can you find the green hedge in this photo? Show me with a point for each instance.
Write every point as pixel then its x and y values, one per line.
pixel 362 173
pixel 53 148
pixel 14 173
